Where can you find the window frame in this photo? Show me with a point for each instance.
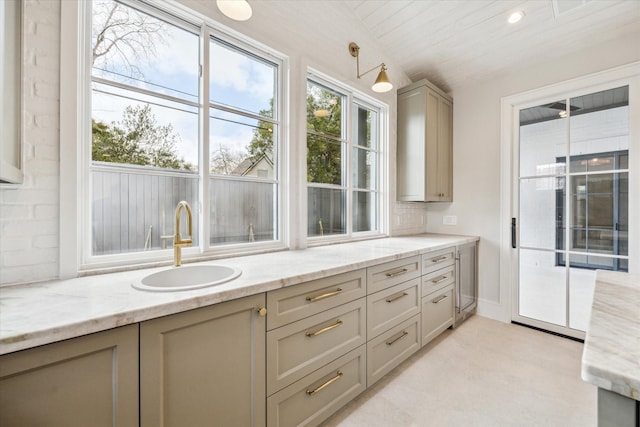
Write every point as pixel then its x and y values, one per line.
pixel 615 255
pixel 352 99
pixel 76 78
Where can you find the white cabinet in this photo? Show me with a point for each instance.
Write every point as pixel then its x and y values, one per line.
pixel 425 144
pixel 205 366
pixel 86 381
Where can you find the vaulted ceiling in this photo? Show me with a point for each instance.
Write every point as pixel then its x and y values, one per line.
pixel 456 42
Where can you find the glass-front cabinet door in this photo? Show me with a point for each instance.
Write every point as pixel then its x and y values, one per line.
pixel 572 215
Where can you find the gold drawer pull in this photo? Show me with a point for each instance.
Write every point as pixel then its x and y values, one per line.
pixel 439 258
pixel 323 296
pixel 439 279
pixel 327 384
pixel 397 297
pixel 398 338
pixel 397 273
pixel 323 330
pixel 440 298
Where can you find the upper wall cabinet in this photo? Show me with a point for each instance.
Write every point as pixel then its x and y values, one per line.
pixel 425 143
pixel 10 92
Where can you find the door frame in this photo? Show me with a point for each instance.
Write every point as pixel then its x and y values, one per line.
pixel 509 138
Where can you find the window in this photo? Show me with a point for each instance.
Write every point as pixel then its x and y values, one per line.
pixel 151 90
pixel 599 204
pixel 343 162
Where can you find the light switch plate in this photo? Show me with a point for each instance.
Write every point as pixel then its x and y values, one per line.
pixel 449 220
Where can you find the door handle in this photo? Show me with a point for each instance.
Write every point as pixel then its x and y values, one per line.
pixel 513 233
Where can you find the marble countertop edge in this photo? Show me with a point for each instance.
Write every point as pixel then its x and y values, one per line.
pixel 611 353
pixel 64 309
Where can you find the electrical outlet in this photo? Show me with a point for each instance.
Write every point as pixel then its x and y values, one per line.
pixel 449 220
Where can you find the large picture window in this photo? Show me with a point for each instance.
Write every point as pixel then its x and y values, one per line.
pixel 343 163
pixel 152 85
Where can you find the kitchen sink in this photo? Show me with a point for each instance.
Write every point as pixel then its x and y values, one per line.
pixel 187 277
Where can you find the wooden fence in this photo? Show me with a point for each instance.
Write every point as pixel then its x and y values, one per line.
pixel 134 208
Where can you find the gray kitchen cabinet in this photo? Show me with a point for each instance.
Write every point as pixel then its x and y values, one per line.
pixel 438 297
pixel 437 313
pixel 315 397
pixel 86 381
pixel 393 315
pixel 205 366
pixel 301 347
pixel 388 350
pixel 316 353
pixel 425 144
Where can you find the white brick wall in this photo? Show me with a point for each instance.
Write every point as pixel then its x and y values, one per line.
pixel 29 213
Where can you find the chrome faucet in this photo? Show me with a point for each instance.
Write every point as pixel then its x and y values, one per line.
pixel 178 241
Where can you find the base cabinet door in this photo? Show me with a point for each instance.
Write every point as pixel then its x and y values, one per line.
pixel 204 367
pixel 87 381
pixel 314 398
pixel 388 350
pixel 437 313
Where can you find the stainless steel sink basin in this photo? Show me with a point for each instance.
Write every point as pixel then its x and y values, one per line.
pixel 187 277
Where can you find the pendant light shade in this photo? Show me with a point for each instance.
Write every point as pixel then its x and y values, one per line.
pixel 239 10
pixel 382 84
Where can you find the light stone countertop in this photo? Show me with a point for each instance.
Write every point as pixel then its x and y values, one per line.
pixel 42 313
pixel 611 355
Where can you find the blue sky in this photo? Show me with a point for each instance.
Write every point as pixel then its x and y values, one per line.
pixel 237 80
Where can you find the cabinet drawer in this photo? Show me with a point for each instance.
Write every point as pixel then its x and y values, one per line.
pixel 391 348
pixel 290 304
pixel 436 260
pixel 438 279
pixel 382 276
pixel 387 308
pixel 300 348
pixel 437 313
pixel 314 398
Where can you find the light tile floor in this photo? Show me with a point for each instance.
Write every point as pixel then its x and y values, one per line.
pixel 484 373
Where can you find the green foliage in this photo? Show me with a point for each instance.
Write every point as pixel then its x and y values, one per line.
pixel 137 140
pixel 324 129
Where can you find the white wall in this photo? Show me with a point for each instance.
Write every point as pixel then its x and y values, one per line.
pixel 311 33
pixel 29 237
pixel 477 163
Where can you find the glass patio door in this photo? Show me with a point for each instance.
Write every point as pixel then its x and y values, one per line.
pixel 571 213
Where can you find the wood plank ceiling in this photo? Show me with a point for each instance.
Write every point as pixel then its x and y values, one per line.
pixel 457 42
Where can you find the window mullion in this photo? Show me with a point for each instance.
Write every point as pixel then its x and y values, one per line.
pixel 205 182
pixel 348 173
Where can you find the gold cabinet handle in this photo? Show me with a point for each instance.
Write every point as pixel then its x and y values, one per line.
pixel 323 330
pixel 439 258
pixel 439 279
pixel 398 338
pixel 262 311
pixel 396 273
pixel 326 384
pixel 397 297
pixel 323 296
pixel 440 298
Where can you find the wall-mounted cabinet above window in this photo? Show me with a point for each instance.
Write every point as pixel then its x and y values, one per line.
pixel 425 143
pixel 10 92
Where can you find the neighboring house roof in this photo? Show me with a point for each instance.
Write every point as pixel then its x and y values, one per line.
pixel 248 165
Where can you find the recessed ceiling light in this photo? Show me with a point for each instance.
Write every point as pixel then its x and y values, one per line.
pixel 515 17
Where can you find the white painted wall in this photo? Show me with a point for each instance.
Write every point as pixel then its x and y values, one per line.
pixel 477 163
pixel 29 237
pixel 311 33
